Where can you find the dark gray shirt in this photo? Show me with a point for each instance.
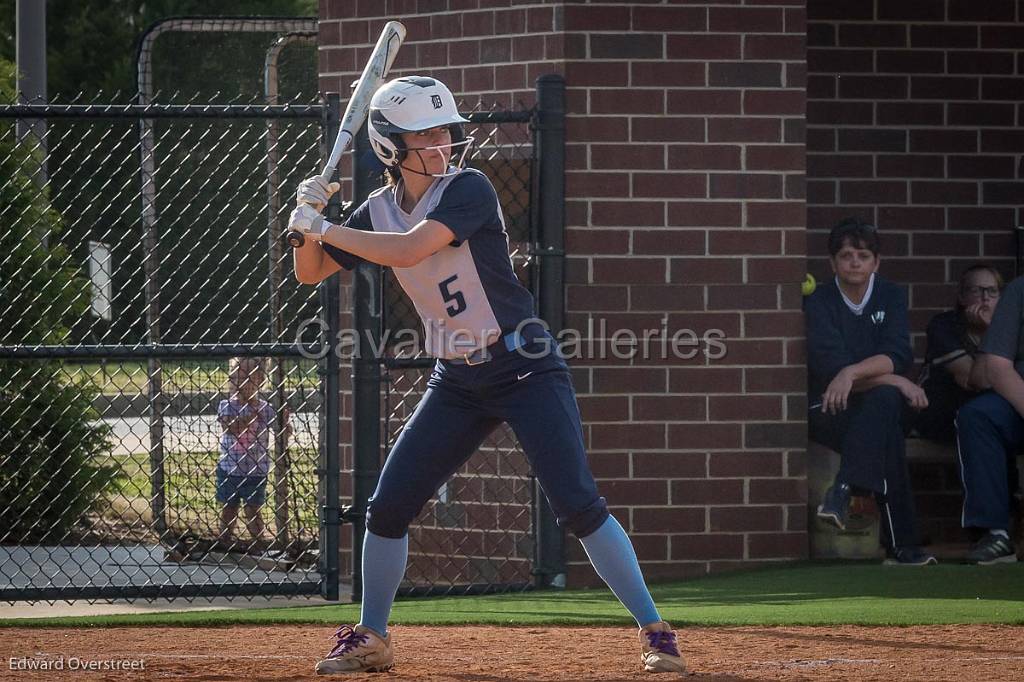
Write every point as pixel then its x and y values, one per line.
pixel 1004 337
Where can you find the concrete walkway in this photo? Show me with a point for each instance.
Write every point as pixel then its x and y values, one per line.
pixel 130 435
pixel 105 608
pixel 139 565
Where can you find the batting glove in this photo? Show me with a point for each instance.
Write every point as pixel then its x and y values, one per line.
pixel 316 190
pixel 309 222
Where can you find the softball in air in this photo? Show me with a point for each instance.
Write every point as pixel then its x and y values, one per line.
pixel 808 285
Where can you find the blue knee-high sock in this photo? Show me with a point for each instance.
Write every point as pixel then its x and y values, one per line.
pixel 384 562
pixel 612 555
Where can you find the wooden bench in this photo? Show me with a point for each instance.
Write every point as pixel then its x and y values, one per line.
pixel 922 450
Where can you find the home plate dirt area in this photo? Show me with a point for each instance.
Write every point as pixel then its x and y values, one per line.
pixel 964 653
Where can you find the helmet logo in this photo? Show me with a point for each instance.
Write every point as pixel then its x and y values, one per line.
pixel 436 101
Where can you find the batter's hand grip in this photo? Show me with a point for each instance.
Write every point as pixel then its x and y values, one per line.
pixel 295 239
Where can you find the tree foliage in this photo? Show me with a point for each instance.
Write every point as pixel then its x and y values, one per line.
pixel 49 436
pixel 91 44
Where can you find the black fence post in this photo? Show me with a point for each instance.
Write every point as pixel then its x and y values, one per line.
pixel 154 368
pixel 549 146
pixel 330 368
pixel 366 370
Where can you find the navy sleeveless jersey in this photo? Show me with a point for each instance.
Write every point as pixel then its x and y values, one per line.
pixel 466 294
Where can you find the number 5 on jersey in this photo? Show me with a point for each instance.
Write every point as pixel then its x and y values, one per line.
pixel 454 297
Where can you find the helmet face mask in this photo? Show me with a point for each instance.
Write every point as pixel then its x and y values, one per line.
pixel 413 104
pixel 455 150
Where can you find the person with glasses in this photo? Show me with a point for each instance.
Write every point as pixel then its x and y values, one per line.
pixel 858 348
pixel 953 340
pixel 990 431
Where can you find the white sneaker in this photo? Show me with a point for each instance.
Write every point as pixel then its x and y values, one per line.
pixel 659 651
pixel 358 650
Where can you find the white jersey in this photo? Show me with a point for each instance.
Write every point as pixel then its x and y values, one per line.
pixel 466 294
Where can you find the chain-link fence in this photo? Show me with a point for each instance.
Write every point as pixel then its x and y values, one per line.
pixel 142 274
pixel 141 254
pixel 124 300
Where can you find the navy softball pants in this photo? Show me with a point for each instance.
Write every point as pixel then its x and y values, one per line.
pixel 989 435
pixel 463 404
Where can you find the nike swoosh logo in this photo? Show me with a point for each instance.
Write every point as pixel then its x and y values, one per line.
pixel 520 377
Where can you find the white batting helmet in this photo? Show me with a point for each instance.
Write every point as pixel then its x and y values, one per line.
pixel 407 105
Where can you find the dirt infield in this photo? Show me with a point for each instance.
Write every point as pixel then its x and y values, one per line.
pixel 486 654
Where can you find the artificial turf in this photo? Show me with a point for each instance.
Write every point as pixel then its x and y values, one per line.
pixel 794 594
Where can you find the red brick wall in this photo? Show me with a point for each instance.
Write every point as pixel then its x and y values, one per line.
pixel 685 201
pixel 913 119
pixel 685 208
pixel 486 49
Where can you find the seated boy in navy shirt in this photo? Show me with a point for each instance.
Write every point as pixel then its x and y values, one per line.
pixel 858 347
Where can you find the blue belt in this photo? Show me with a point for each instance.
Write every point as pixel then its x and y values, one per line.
pixel 505 345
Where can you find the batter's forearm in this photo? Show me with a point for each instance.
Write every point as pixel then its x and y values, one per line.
pixel 391 249
pixel 308 260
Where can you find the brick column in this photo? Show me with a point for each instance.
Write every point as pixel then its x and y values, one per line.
pixel 685 211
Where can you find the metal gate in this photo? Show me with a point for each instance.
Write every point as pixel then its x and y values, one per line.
pixel 125 295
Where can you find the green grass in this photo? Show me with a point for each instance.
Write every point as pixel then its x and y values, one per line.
pixel 801 594
pixel 117 377
pixel 191 487
pixel 192 471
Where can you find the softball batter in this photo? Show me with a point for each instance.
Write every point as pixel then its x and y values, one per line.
pixel 440 227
